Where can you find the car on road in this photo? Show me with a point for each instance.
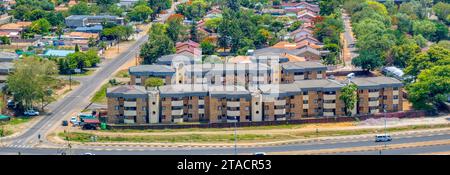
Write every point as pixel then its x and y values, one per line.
pixel 31 112
pixel 89 154
pixel 65 123
pixel 259 153
pixel 383 138
pixel 11 103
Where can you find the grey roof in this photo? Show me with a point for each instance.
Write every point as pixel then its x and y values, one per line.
pixel 127 91
pixel 174 58
pixel 271 52
pixel 318 85
pixel 279 90
pixel 183 90
pixel 376 82
pixel 151 70
pixel 6 67
pixel 229 91
pixel 303 66
pixel 8 56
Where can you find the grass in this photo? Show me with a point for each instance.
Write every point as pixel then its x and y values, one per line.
pixel 228 138
pixel 6 125
pixel 100 95
pixel 85 73
pixel 122 74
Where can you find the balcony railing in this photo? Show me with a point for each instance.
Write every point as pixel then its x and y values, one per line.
pixel 233 113
pixel 177 103
pixel 280 111
pixel 305 106
pixel 177 112
pixel 329 105
pixel 129 113
pixel 329 97
pixel 374 94
pixel 129 104
pixel 328 114
pixel 374 103
pixel 233 103
pixel 280 102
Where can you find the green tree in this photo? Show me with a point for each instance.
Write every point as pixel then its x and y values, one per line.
pixel 157 46
pixel 40 26
pixel 154 82
pixel 349 97
pixel 140 13
pixel 368 60
pixel 425 28
pixel 81 8
pixel 432 57
pixel 431 88
pixel 31 80
pixel 5 40
pixel 175 27
pixel 207 48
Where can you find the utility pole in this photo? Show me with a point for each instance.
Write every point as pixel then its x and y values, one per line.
pixel 235 137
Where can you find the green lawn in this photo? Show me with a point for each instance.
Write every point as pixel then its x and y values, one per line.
pixel 122 74
pixel 228 138
pixel 100 95
pixel 11 123
pixel 85 73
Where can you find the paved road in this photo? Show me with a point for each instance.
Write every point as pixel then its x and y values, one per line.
pixel 79 98
pixel 328 144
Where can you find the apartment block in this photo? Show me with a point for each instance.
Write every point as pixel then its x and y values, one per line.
pixel 296 71
pixel 138 74
pixel 127 104
pixel 376 94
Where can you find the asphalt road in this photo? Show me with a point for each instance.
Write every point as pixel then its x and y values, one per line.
pixel 319 145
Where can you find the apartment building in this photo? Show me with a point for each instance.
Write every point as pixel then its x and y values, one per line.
pixel 127 104
pixel 296 71
pixel 376 94
pixel 138 74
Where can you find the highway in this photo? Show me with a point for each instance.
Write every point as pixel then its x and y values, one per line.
pixel 319 145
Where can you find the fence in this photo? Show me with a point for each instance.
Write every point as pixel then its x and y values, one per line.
pixel 404 114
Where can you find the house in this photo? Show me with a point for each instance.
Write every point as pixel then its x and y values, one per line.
pixel 8 57
pixel 127 3
pixel 16 27
pixel 189 47
pixel 74 21
pixel 90 29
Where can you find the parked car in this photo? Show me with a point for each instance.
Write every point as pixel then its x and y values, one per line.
pixel 11 104
pixel 383 138
pixel 73 120
pixel 65 123
pixel 89 154
pixel 31 112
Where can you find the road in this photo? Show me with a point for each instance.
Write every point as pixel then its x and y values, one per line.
pixel 79 98
pixel 348 39
pixel 319 145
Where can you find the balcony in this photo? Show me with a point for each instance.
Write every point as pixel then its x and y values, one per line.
pixel 305 106
pixel 374 111
pixel 137 80
pixel 280 111
pixel 177 103
pixel 374 103
pixel 178 120
pixel 129 113
pixel 328 114
pixel 329 97
pixel 177 112
pixel 129 104
pixel 280 102
pixel 395 101
pixel 329 105
pixel 305 97
pixel 201 102
pixel 233 113
pixel 299 77
pixel 395 92
pixel 201 111
pixel 374 94
pixel 233 104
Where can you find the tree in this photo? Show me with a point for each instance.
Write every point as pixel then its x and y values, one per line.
pixel 41 26
pixel 400 54
pixel 349 97
pixel 159 5
pixel 175 27
pixel 77 48
pixel 425 28
pixel 81 8
pixel 140 13
pixel 332 58
pixel 368 60
pixel 154 82
pixel 31 80
pixel 207 48
pixel 434 56
pixel 5 40
pixel 157 46
pixel 442 10
pixel 431 88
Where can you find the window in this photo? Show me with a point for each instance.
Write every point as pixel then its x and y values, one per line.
pixel 315 101
pixel 395 96
pixel 144 108
pixel 395 88
pixel 246 108
pixel 305 110
pixel 305 93
pixel 163 117
pixel 163 108
pixel 319 72
pixel 395 106
pixel 116 107
pixel 305 101
pixel 298 73
pixel 201 106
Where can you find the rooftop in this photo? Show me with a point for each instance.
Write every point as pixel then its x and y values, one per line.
pixel 376 82
pixel 127 90
pixel 58 53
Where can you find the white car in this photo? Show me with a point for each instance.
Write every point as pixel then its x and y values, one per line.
pixel 383 138
pixel 259 153
pixel 31 112
pixel 73 120
pixel 89 154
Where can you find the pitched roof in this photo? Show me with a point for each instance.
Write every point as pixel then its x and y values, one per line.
pixel 15 26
